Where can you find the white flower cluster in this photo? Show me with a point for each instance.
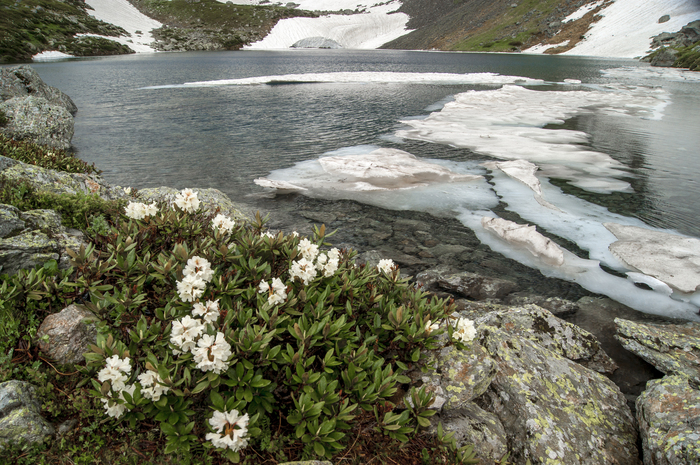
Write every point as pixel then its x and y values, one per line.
pixel 464 330
pixel 152 386
pixel 223 224
pixel 116 371
pixel 267 234
pixel 211 352
pixel 197 273
pixel 306 270
pixel 187 200
pixel 138 210
pixel 430 326
pixel 386 265
pixel 277 292
pixel 230 430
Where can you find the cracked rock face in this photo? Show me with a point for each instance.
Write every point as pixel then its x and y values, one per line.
pixel 19 414
pixel 668 413
pixel 555 411
pixel 70 333
pixel 672 349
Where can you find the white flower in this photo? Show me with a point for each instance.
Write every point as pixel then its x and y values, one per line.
pixel 334 254
pixel 127 190
pixel 464 330
pixel 223 224
pixel 115 408
pixel 212 353
pixel 209 312
pixel 429 328
pixel 151 209
pixel 303 269
pixel 116 372
pixel 151 385
pixel 135 210
pixel 230 430
pixel 263 287
pixel 267 234
pixel 200 267
pixel 386 265
pixel 190 288
pixel 295 234
pixel 308 250
pixel 187 200
pixel 185 331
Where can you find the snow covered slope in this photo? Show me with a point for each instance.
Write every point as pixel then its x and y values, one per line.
pixel 376 25
pixel 124 14
pixel 627 27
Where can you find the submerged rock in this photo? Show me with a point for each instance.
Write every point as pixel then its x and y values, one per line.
pixel 668 413
pixel 20 418
pixel 672 349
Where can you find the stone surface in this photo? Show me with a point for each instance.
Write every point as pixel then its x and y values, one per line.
pixel 23 80
pixel 473 425
pixel 20 418
pixel 665 58
pixel 668 413
pixel 555 411
pixel 475 286
pixel 316 42
pixel 557 306
pixel 540 326
pixel 37 120
pixel 672 349
pixel 10 221
pixel 456 377
pixel 670 258
pixel 70 333
pixel 527 237
pixel 210 199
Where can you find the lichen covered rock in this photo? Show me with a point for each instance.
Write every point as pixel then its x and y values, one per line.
pixel 69 334
pixel 668 413
pixel 672 349
pixel 37 120
pixel 23 80
pixel 555 411
pixel 552 333
pixel 20 419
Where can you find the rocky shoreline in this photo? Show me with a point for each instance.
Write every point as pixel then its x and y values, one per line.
pixel 530 383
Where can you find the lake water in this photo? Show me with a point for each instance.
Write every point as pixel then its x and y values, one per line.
pixel 615 141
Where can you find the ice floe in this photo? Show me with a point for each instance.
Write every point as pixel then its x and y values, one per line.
pixel 524 235
pixel 124 14
pixel 367 77
pixel 637 73
pixel 670 258
pixel 507 123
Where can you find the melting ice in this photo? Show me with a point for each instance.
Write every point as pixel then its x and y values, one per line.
pixel 508 124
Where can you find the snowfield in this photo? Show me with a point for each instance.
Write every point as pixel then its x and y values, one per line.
pixel 124 14
pixel 628 26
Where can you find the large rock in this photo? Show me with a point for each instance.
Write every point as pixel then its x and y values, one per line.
pixel 69 334
pixel 668 413
pixel 37 120
pixel 540 326
pixel 20 418
pixel 23 81
pixel 476 286
pixel 555 410
pixel 35 111
pixel 34 237
pixel 672 349
pixel 316 42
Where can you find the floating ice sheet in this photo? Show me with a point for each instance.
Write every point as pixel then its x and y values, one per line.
pixel 507 123
pixel 367 78
pixel 638 73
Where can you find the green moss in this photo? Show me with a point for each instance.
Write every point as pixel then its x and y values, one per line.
pixel 33 154
pixel 689 57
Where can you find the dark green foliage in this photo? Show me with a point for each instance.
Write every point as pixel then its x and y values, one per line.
pixel 77 210
pixel 33 154
pixel 31 26
pixel 3 119
pixel 92 46
pixel 689 57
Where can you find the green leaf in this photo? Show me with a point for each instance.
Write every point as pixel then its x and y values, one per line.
pixel 319 449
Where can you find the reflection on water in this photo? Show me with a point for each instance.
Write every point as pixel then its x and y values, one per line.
pixel 225 137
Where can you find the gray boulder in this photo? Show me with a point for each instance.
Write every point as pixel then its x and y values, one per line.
pixel 65 336
pixel 210 199
pixel 540 326
pixel 34 237
pixel 37 120
pixel 471 285
pixel 316 42
pixel 668 413
pixel 665 58
pixel 554 410
pixel 20 418
pixel 672 349
pixel 24 81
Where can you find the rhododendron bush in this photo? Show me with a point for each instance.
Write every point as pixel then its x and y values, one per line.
pixel 214 329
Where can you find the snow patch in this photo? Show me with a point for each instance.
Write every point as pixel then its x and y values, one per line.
pixel 627 26
pixel 581 12
pixel 123 14
pixel 541 48
pixel 51 55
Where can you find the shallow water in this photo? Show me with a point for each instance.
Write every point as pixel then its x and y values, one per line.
pixel 642 126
